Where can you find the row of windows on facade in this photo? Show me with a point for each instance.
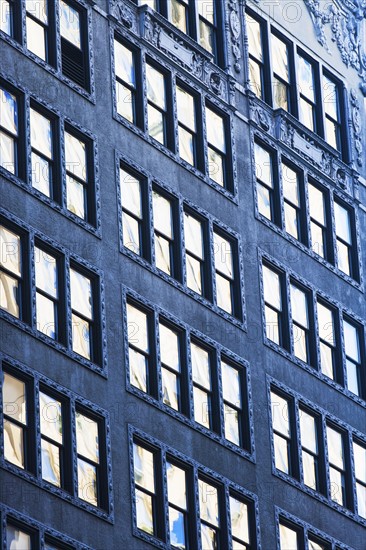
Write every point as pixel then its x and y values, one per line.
pixel 170 364
pixel 50 163
pixel 331 460
pixel 65 313
pixel 286 77
pixel 312 214
pixel 40 36
pixel 294 536
pixel 313 329
pixel 66 431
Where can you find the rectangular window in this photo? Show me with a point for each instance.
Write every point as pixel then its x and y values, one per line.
pixel 157 104
pixel 224 273
pixel 327 340
pixel 132 212
pixel 281 73
pixel 202 385
pixel 15 427
pixel 300 323
pixel 18 539
pixel 256 59
pixel 309 449
pixel 139 347
pixel 37 27
pixel 10 272
pixel 47 293
pixel 194 253
pixel 51 412
pixel 273 305
pixel 9 131
pixel 265 184
pixel 145 494
pixel 164 234
pixel 187 127
pixel 359 455
pixel 82 307
pixel 337 467
pixel 288 538
pixel 209 515
pixel 239 518
pixel 42 144
pixel 87 447
pixel 343 226
pixel 292 201
pixel 207 26
pixel 178 505
pixel 318 221
pixel 78 178
pixel 6 17
pixel 281 433
pixel 74 51
pixel 352 342
pixel 331 111
pixel 124 60
pixel 216 145
pixel 170 366
pixel 178 14
pixel 307 92
pixel 233 407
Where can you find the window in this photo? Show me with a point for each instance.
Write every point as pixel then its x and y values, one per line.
pixel 145 497
pixel 157 104
pixel 359 454
pixel 292 202
pixel 232 396
pixel 52 448
pixel 6 17
pixel 281 433
pixel 337 467
pixel 307 93
pixel 9 121
pixel 318 221
pixel 132 212
pixel 10 272
pixel 288 537
pixel 239 518
pixel 178 14
pixel 17 538
pixel 195 253
pixel 164 235
pixel 265 184
pixel 344 239
pixel 47 295
pixel 126 89
pixel 281 73
pixel 224 273
pixel 327 341
pixel 300 323
pixel 87 447
pixel 352 344
pixel 256 61
pixel 74 54
pixel 202 385
pixel 273 305
pixel 187 127
pixel 37 28
pixel 295 534
pixel 15 420
pixel 209 515
pixel 178 505
pixel 216 145
pixel 82 314
pixel 331 109
pixel 78 177
pixel 42 143
pixel 170 366
pixel 309 449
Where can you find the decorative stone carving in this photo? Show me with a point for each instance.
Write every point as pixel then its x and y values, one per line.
pixel 235 31
pixel 345 18
pixel 122 13
pixel 356 125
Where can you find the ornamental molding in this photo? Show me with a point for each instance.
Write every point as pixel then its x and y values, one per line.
pixel 346 20
pixel 235 32
pixel 356 126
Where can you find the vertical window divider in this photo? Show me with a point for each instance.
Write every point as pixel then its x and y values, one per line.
pixel 350 481
pixel 209 280
pixel 190 406
pixel 74 465
pixel 164 512
pixel 220 393
pixel 37 429
pixel 156 350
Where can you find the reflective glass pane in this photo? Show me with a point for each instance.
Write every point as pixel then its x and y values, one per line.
pixel 359 454
pixel 316 204
pixel 254 37
pixel 169 347
pixel 255 78
pixel 239 520
pixel 170 389
pixel 38 8
pixel 264 201
pixel 13 444
pixel 317 239
pixel 130 193
pixel 326 324
pixel 185 108
pixel 308 432
pixel 51 463
pixel 279 58
pixel 200 366
pixel 300 347
pixel 193 235
pixel 144 512
pixel 81 293
pixel 336 484
pixel 206 35
pixel 280 414
pixel 162 254
pixel 326 360
pixel 288 538
pixel 305 77
pixel 9 294
pixel 263 165
pixel 231 419
pixel 137 324
pixel 8 112
pixel 331 133
pixel 51 417
pixel 223 293
pixel 215 166
pixel 46 272
pixel 352 377
pixel 215 130
pixel 41 133
pixel 343 257
pixel 46 315
pixel 10 251
pixel 186 145
pixel 17 539
pixel 272 289
pixel 14 398
pixel 143 467
pixel 272 325
pixel 75 197
pixel 177 15
pixel 342 223
pixel 351 341
pixel 138 369
pixel 80 336
pixel 335 448
pixel 36 38
pixel 176 479
pixel 75 156
pixel 330 98
pixel 291 221
pixel 162 215
pixel 155 123
pixel 230 384
pixel 281 453
pixel 223 255
pixel 87 482
pixel 361 500
pixel 131 233
pixel 124 63
pixel 5 17
pixel 308 466
pixel 155 86
pixel 206 9
pixel 279 95
pixel 70 24
pixel 125 100
pixel 299 306
pixel 208 537
pixel 201 407
pixel 7 152
pixel 209 504
pixel 41 174
pixel 290 185
pixel 194 276
pixel 87 437
pixel 176 528
pixel 306 114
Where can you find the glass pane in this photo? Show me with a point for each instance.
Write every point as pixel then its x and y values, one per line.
pixel 185 108
pixel 308 466
pixel 215 130
pixel 206 35
pixel 359 454
pixel 155 87
pixel 281 454
pixel 330 98
pixel 169 347
pixel 36 39
pixel 288 538
pixel 17 539
pixel 308 432
pixel 7 152
pixel 200 366
pixel 41 133
pixel 206 9
pixel 201 407
pixel 300 347
pixel 335 448
pixel 124 63
pixel 194 277
pixel 177 15
pixel 51 463
pixel 170 389
pixel 125 101
pixel 263 165
pixel 336 483
pixel 10 251
pixel 272 325
pixel 255 78
pixel 352 377
pixel 138 369
pixel 156 123
pixel 351 341
pixel 38 8
pixel 305 78
pixel 342 223
pixel 144 512
pixel 215 166
pixel 272 291
pixel 46 315
pixel 239 520
pixel 144 468
pixel 223 293
pixel 5 17
pixel 280 414
pixel 14 398
pixel 87 437
pixel 80 336
pixel 279 95
pixel 343 259
pixel 87 482
pixel 176 528
pixel 81 293
pixel 290 185
pixel 331 133
pixel 264 201
pixel 75 197
pixel 51 417
pixel 130 193
pixel 291 221
pixel 306 114
pixel 162 254
pixel 75 156
pixel 326 360
pixel 193 235
pixel 9 294
pixel 41 174
pixel 176 479
pixel 131 233
pixel 299 306
pixel 209 504
pixel 231 419
pixel 162 215
pixel 316 204
pixel 70 24
pixel 186 146
pixel 317 239
pixel 254 37
pixel 361 500
pixel 46 272
pixel 223 255
pixel 279 58
pixel 230 384
pixel 325 323
pixel 8 112
pixel 208 538
pixel 137 328
pixel 13 444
